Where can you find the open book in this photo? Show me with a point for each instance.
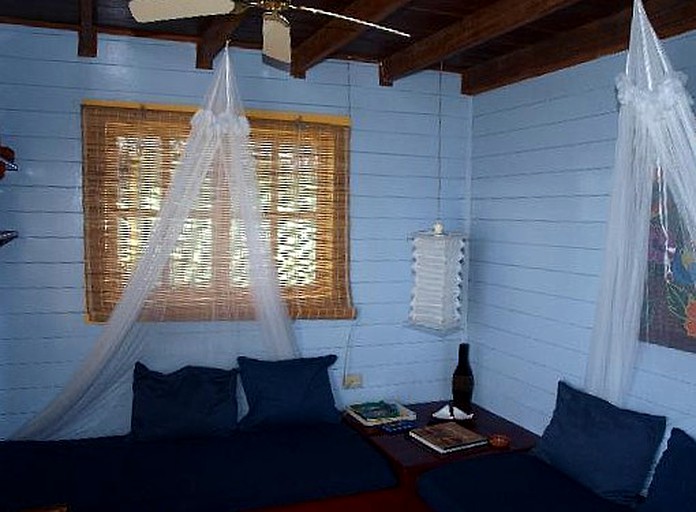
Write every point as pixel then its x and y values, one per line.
pixel 447 437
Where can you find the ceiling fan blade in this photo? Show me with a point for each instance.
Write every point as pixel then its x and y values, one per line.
pixel 146 11
pixel 348 18
pixel 277 48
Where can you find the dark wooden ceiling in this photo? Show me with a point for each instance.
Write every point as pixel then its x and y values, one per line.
pixel 489 42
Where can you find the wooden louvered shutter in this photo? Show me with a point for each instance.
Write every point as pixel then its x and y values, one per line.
pixel 130 152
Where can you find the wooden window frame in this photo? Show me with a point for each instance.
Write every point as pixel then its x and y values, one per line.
pixel 330 298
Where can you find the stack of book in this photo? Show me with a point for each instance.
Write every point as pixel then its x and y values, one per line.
pixel 447 437
pixel 372 414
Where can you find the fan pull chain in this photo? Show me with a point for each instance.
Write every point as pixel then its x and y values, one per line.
pixel 343 17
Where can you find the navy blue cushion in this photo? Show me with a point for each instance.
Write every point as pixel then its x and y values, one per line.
pixel 246 470
pixel 286 392
pixel 606 448
pixel 674 484
pixel 509 482
pixel 190 402
pixel 253 469
pixel 86 474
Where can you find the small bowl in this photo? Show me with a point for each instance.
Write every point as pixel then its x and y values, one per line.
pixel 499 441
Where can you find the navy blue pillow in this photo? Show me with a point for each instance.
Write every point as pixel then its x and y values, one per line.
pixel 673 487
pixel 293 391
pixel 191 402
pixel 607 449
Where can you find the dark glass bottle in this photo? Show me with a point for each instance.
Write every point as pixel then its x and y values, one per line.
pixel 463 381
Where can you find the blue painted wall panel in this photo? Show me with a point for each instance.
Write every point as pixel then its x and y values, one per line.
pixel 588 235
pixel 549 112
pixel 394 187
pixel 543 153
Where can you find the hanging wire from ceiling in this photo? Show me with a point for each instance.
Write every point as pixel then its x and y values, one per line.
pixel 439 144
pixel 227 74
pixel 351 328
pixel 350 86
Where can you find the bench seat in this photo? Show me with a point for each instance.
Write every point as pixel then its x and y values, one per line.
pixel 244 471
pixel 510 482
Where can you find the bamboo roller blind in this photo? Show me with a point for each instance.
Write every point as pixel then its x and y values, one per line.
pixel 130 153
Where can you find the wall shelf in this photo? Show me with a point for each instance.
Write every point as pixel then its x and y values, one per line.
pixel 7 163
pixel 7 236
pixel 7 160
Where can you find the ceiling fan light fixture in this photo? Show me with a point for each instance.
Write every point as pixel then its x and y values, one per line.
pixel 146 11
pixel 277 46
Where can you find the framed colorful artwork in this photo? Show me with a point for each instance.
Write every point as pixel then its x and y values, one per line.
pixel 669 306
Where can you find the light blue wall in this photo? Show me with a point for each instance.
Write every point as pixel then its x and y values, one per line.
pixel 543 152
pixel 393 192
pixel 541 170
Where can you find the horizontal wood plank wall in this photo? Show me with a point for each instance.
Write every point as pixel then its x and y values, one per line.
pixel 543 153
pixel 393 184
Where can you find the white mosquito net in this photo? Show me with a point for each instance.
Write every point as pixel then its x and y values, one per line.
pixel 217 169
pixel 656 150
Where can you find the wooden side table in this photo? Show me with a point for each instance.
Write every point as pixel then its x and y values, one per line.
pixel 410 459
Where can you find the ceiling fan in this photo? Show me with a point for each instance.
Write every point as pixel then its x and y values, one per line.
pixel 277 48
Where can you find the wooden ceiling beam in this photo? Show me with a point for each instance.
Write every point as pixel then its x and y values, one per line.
pixel 338 33
pixel 104 29
pixel 475 29
pixel 596 39
pixel 87 31
pixel 214 38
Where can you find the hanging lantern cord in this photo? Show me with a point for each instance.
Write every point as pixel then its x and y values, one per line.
pixel 438 227
pixel 227 74
pixel 350 85
pixel 439 145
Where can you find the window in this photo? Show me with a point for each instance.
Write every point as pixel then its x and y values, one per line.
pixel 130 153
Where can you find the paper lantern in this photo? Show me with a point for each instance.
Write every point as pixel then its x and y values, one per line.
pixel 437 288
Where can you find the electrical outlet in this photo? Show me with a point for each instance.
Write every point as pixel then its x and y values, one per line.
pixel 352 381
